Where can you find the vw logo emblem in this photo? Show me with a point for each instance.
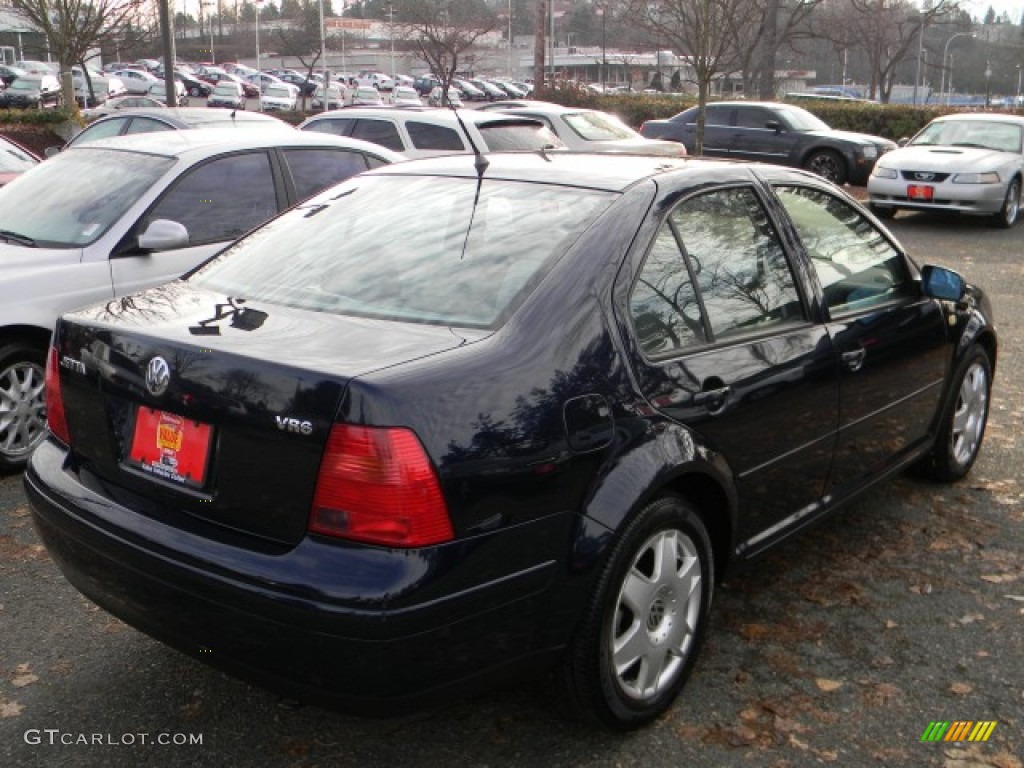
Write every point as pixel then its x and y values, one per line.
pixel 924 176
pixel 158 376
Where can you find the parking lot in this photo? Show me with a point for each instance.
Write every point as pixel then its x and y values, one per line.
pixel 840 647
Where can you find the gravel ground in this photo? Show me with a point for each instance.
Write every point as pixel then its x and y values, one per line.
pixel 839 648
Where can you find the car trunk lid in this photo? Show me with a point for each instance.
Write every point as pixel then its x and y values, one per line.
pixel 175 397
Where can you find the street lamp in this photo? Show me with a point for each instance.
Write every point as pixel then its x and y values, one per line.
pixel 258 67
pixel 391 33
pixel 509 67
pixel 988 84
pixel 1017 102
pixel 209 19
pixel 323 57
pixel 945 55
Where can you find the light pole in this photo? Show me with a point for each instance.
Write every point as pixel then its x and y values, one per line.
pixel 988 84
pixel 509 65
pixel 1017 102
pixel 920 51
pixel 604 48
pixel 258 67
pixel 209 19
pixel 391 34
pixel 945 56
pixel 323 57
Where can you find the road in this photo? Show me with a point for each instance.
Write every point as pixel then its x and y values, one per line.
pixel 840 648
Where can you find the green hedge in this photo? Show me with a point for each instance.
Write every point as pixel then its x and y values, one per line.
pixel 47 117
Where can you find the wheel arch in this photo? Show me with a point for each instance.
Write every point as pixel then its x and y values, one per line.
pixel 30 334
pixel 672 464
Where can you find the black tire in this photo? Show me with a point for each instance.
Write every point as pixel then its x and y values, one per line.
pixel 663 613
pixel 882 211
pixel 22 404
pixel 963 420
pixel 195 91
pixel 1010 212
pixel 827 164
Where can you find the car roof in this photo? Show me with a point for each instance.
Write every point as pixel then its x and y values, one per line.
pixel 191 145
pixel 441 114
pixel 993 117
pixel 192 117
pixel 580 169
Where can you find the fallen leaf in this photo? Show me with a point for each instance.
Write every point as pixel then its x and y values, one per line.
pixel 998 578
pixel 22 680
pixel 961 689
pixel 10 708
pixel 827 685
pixel 890 624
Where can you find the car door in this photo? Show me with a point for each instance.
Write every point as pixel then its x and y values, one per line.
pixel 726 345
pixel 217 201
pixel 717 131
pixel 892 341
pixel 758 135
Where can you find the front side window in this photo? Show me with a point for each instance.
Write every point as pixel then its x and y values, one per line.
pixel 147 125
pixel 220 200
pixel 518 137
pixel 716 270
pixel 856 264
pixel 101 130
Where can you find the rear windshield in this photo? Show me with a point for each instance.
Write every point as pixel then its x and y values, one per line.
pixel 427 250
pixel 518 137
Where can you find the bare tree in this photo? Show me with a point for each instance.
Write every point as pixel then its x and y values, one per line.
pixel 886 30
pixel 772 25
pixel 303 42
pixel 705 31
pixel 444 31
pixel 74 27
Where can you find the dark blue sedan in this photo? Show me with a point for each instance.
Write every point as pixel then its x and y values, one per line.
pixel 449 422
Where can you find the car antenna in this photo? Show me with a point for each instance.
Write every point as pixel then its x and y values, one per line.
pixel 480 161
pixel 232 115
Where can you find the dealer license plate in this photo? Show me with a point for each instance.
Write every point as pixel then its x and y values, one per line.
pixel 170 447
pixel 920 192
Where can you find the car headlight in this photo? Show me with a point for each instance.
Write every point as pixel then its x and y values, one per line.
pixel 976 178
pixel 870 152
pixel 884 173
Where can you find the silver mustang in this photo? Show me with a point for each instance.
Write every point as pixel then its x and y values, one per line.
pixel 966 163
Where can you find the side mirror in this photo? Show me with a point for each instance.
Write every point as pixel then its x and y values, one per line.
pixel 163 235
pixel 52 151
pixel 904 140
pixel 942 283
pixel 774 125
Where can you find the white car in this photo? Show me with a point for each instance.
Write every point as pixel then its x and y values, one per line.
pixel 158 90
pixel 283 97
pixel 451 99
pixel 425 132
pixel 589 130
pixel 377 80
pixel 964 163
pixel 405 96
pixel 142 210
pixel 136 81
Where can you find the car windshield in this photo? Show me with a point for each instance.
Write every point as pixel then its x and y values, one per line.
pixel 62 215
pixel 988 134
pixel 431 250
pixel 597 126
pixel 226 89
pixel 279 92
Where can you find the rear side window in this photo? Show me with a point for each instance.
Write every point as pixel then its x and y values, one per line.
pixel 316 169
pixel 427 136
pixel 381 132
pixel 147 125
pixel 101 130
pixel 222 199
pixel 518 137
pixel 338 126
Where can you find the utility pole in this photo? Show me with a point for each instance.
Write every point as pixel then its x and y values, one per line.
pixel 539 44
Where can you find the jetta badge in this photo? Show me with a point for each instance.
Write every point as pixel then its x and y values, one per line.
pixel 158 376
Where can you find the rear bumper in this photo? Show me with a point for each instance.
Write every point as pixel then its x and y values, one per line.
pixel 358 628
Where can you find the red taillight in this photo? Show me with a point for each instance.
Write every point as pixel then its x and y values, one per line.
pixel 377 485
pixel 55 419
